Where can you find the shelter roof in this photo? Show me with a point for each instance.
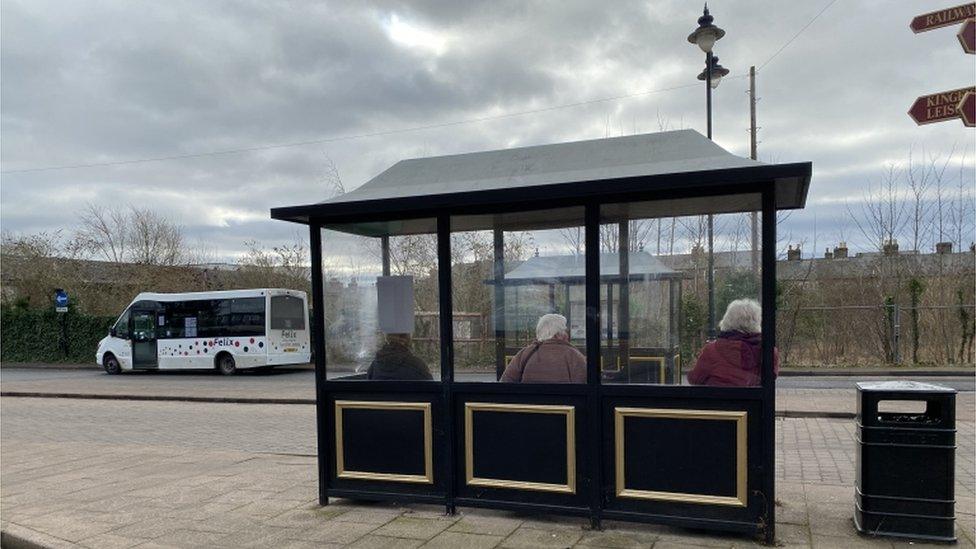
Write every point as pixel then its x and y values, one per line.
pixel 563 171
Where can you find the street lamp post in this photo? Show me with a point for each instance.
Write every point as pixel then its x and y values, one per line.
pixel 705 37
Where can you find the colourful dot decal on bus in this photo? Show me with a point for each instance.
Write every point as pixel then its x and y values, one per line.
pixel 261 344
pixel 237 344
pixel 252 340
pixel 245 348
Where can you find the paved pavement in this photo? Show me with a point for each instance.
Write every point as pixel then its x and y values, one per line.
pixel 795 395
pixel 111 473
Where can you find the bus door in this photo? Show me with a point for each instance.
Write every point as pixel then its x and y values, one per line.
pixel 143 332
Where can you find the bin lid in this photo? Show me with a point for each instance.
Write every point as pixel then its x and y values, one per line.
pixel 902 387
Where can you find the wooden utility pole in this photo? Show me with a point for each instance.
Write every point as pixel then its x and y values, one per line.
pixel 753 154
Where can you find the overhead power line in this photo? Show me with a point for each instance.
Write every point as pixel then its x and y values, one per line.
pixel 798 33
pixel 382 133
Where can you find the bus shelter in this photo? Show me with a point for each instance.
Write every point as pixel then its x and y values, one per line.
pixel 404 422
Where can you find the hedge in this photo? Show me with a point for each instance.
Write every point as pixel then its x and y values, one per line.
pixel 32 335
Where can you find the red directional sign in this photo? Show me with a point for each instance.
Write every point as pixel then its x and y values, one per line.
pixel 967 36
pixel 938 106
pixel 967 109
pixel 943 18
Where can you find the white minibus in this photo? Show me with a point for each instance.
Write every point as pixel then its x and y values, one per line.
pixel 226 331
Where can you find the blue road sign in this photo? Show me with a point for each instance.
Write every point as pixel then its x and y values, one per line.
pixel 61 300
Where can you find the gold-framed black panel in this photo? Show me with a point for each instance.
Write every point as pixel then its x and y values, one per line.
pixel 417 435
pixel 470 451
pixel 738 470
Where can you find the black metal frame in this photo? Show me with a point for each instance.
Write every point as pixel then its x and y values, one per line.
pixel 595 496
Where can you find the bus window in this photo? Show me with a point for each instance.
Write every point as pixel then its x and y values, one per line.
pixel 287 313
pixel 246 316
pixel 122 326
pixel 143 327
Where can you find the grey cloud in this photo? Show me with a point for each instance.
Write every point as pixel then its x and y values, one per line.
pixel 117 80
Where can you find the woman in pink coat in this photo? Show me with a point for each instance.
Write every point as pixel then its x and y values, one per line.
pixel 734 359
pixel 549 359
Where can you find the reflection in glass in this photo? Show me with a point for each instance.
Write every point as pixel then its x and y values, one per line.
pixel 654 292
pixel 518 287
pixel 381 301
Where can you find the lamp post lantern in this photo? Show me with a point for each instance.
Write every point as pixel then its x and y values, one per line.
pixel 705 37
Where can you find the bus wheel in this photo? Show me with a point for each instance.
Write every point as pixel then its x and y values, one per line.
pixel 226 365
pixel 111 364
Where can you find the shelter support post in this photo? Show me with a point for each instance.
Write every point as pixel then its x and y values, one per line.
pixel 385 244
pixel 568 309
pixel 592 236
pixel 711 276
pixel 674 321
pixel 318 346
pixel 623 314
pixel 768 346
pixel 446 328
pixel 499 312
pixel 610 318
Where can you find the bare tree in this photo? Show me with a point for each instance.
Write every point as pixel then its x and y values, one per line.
pixel 333 182
pixel 881 216
pixel 574 238
pixel 153 239
pixel 104 232
pixel 281 266
pixel 31 271
pixel 131 235
pixel 963 207
pixel 638 230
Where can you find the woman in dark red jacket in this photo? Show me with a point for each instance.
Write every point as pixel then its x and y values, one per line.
pixel 735 358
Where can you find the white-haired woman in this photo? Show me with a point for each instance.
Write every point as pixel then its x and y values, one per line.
pixel 735 357
pixel 549 359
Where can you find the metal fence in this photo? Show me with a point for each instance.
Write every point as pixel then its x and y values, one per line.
pixel 857 335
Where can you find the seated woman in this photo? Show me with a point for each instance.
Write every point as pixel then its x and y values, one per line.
pixel 395 360
pixel 549 359
pixel 735 358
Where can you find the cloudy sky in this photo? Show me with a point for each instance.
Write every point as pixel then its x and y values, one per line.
pixel 109 81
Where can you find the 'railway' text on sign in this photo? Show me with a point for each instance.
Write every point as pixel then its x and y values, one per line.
pixel 943 18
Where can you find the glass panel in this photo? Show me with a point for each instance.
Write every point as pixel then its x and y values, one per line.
pixel 518 294
pixel 381 300
pixel 654 294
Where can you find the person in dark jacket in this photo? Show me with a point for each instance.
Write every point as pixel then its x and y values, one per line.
pixel 549 359
pixel 734 359
pixel 395 360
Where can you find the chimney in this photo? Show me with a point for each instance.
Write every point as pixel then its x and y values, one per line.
pixel 793 254
pixel 840 252
pixel 828 254
pixel 890 247
pixel 943 247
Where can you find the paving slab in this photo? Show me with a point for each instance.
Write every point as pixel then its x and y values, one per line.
pixel 73 476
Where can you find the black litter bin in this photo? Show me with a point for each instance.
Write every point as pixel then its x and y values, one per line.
pixel 906 460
